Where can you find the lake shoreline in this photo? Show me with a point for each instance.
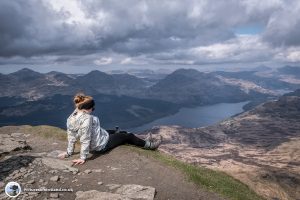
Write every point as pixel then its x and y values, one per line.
pixel 194 117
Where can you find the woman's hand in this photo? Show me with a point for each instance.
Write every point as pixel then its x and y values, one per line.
pixel 78 161
pixel 63 155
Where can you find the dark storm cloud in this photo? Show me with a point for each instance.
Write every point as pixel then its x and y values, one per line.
pixel 33 27
pixel 283 28
pixel 157 31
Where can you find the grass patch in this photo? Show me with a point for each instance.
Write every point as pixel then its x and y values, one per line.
pixel 45 131
pixel 48 132
pixel 214 181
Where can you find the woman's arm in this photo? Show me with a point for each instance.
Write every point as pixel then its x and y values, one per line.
pixel 70 149
pixel 85 138
pixel 71 143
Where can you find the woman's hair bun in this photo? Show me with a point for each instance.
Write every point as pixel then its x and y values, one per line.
pixel 78 98
pixel 83 102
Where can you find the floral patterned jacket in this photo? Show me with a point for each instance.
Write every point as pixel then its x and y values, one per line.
pixel 86 128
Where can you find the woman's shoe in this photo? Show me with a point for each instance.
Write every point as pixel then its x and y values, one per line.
pixel 153 145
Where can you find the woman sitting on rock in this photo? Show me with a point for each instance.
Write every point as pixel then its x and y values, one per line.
pixel 82 125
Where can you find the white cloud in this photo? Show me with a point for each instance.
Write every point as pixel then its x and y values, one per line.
pixel 126 61
pixel 291 54
pixel 294 56
pixel 103 61
pixel 243 48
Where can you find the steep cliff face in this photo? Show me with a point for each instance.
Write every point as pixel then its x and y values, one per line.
pixel 260 147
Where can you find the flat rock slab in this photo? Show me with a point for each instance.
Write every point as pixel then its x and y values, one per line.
pixel 137 191
pixel 59 164
pixel 130 191
pixel 54 154
pixel 96 195
pixel 12 142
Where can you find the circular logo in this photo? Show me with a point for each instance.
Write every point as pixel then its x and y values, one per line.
pixel 12 189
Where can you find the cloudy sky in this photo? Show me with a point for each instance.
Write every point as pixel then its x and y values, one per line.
pixel 80 35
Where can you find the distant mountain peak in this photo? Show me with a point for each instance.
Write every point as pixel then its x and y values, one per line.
pixel 25 72
pixel 26 69
pixel 96 72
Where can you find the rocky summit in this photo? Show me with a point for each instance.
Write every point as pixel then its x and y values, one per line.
pixel 260 147
pixel 30 159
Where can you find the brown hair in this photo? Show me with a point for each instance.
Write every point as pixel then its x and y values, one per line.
pixel 82 101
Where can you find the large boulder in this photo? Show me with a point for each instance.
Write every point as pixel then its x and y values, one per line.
pixel 124 192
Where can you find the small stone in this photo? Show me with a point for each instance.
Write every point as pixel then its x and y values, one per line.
pixel 53 171
pixel 75 172
pixel 24 162
pixel 75 180
pixel 113 186
pixel 87 171
pixel 22 169
pixel 266 175
pixel 54 178
pixel 54 195
pixel 97 170
pixel 100 183
pixel 18 175
pixel 1 184
pixel 6 169
pixel 31 182
pixel 7 157
pixel 41 180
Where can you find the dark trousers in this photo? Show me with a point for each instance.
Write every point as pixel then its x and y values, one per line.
pixel 120 138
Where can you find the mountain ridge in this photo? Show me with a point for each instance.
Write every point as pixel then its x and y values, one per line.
pixel 259 147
